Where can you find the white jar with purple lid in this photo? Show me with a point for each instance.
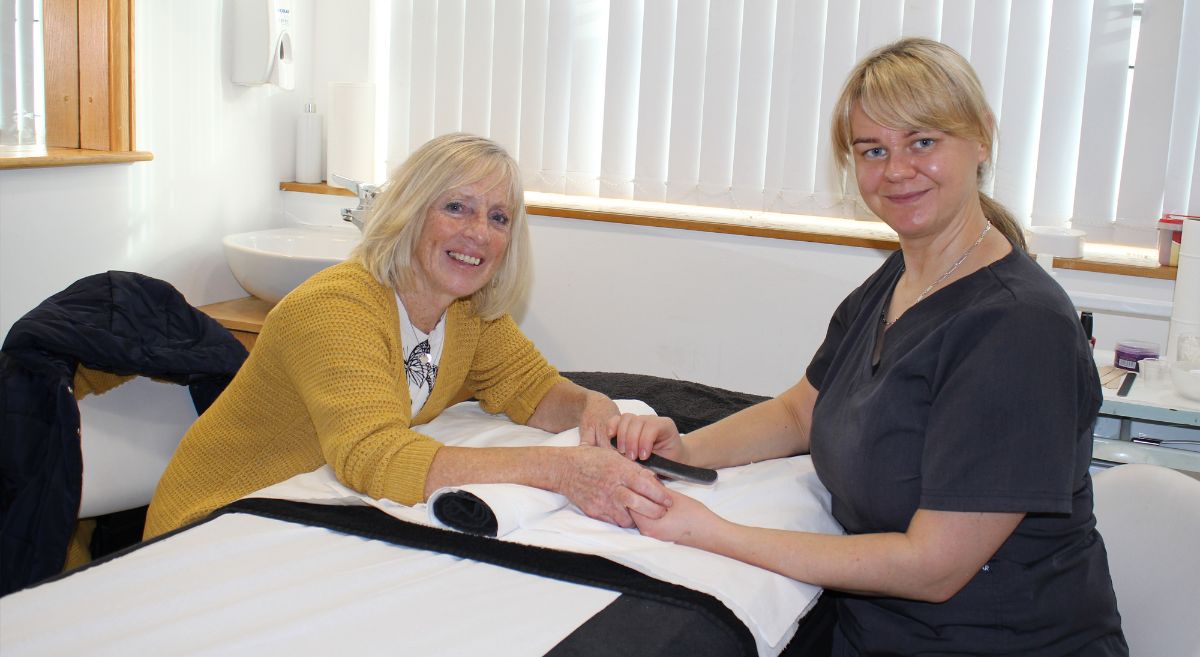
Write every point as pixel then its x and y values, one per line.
pixel 1130 352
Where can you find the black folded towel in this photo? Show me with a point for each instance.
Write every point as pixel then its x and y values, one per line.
pixel 692 405
pixel 465 512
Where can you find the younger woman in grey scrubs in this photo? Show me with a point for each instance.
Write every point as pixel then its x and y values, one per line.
pixel 949 410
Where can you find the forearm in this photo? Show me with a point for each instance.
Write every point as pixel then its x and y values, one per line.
pixel 539 467
pixel 932 561
pixel 775 428
pixel 561 408
pixel 764 431
pixel 868 564
pixel 568 405
pixel 599 481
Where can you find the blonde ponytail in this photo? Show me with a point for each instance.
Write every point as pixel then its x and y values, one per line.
pixel 1003 220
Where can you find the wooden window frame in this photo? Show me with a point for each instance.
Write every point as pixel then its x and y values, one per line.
pixel 88 51
pixel 1131 266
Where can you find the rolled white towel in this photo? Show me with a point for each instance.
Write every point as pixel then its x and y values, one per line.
pixel 491 509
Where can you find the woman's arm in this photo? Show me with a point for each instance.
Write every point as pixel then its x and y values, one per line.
pixel 939 553
pixel 771 429
pixel 598 480
pixel 601 483
pixel 568 405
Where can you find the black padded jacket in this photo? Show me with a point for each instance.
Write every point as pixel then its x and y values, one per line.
pixel 118 322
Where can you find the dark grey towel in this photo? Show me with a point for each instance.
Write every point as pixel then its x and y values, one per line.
pixel 691 405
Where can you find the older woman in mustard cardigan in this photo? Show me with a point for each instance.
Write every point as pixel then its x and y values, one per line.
pixel 413 322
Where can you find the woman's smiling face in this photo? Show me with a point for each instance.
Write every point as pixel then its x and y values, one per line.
pixel 918 182
pixel 463 240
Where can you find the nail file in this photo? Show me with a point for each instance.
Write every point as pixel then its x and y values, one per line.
pixel 665 467
pixel 1127 384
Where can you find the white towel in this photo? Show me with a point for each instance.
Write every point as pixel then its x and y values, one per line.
pixel 781 494
pixel 512 506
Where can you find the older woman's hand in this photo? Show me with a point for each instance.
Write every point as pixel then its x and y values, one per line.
pixel 606 486
pixel 595 419
pixel 569 405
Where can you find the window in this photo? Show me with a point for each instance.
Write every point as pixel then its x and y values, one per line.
pixel 725 103
pixel 86 55
pixel 22 113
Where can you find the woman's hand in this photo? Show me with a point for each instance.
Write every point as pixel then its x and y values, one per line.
pixel 608 487
pixel 686 522
pixel 640 435
pixel 595 419
pixel 568 405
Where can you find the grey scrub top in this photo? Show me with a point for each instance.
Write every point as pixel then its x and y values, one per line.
pixel 983 399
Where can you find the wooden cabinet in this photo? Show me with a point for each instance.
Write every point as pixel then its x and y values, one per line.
pixel 243 317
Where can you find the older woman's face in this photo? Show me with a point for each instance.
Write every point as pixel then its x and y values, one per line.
pixel 917 182
pixel 462 242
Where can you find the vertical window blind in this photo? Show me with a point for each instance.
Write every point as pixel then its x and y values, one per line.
pixel 22 116
pixel 726 103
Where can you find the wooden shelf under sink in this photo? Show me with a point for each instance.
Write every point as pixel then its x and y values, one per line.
pixel 243 317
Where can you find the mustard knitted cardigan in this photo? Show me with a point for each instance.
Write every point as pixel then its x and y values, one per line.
pixel 325 383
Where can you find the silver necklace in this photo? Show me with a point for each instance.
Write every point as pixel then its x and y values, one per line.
pixel 987 226
pixel 418 336
pixel 419 365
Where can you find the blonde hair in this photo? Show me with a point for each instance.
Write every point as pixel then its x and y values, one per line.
pixel 920 84
pixel 394 224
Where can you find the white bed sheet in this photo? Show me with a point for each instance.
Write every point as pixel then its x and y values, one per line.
pixel 247 585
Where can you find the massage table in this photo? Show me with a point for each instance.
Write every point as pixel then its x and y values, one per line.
pixel 309 567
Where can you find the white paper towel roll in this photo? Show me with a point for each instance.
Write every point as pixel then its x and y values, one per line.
pixel 1056 241
pixel 1185 310
pixel 350 142
pixel 1191 226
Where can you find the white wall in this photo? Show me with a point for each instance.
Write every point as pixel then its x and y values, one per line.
pixel 743 313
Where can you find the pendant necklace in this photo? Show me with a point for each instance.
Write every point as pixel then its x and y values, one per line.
pixel 987 227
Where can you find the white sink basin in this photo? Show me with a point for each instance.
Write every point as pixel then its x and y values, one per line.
pixel 271 263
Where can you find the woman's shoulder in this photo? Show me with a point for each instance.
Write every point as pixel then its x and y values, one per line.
pixel 464 313
pixel 348 273
pixel 345 286
pixel 348 277
pixel 1014 300
pixel 1022 285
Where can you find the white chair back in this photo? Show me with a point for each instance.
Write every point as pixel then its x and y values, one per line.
pixel 1149 517
pixel 128 435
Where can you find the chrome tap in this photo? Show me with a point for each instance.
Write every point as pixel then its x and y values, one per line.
pixel 366 196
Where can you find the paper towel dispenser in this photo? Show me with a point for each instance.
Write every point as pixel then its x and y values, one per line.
pixel 263 50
